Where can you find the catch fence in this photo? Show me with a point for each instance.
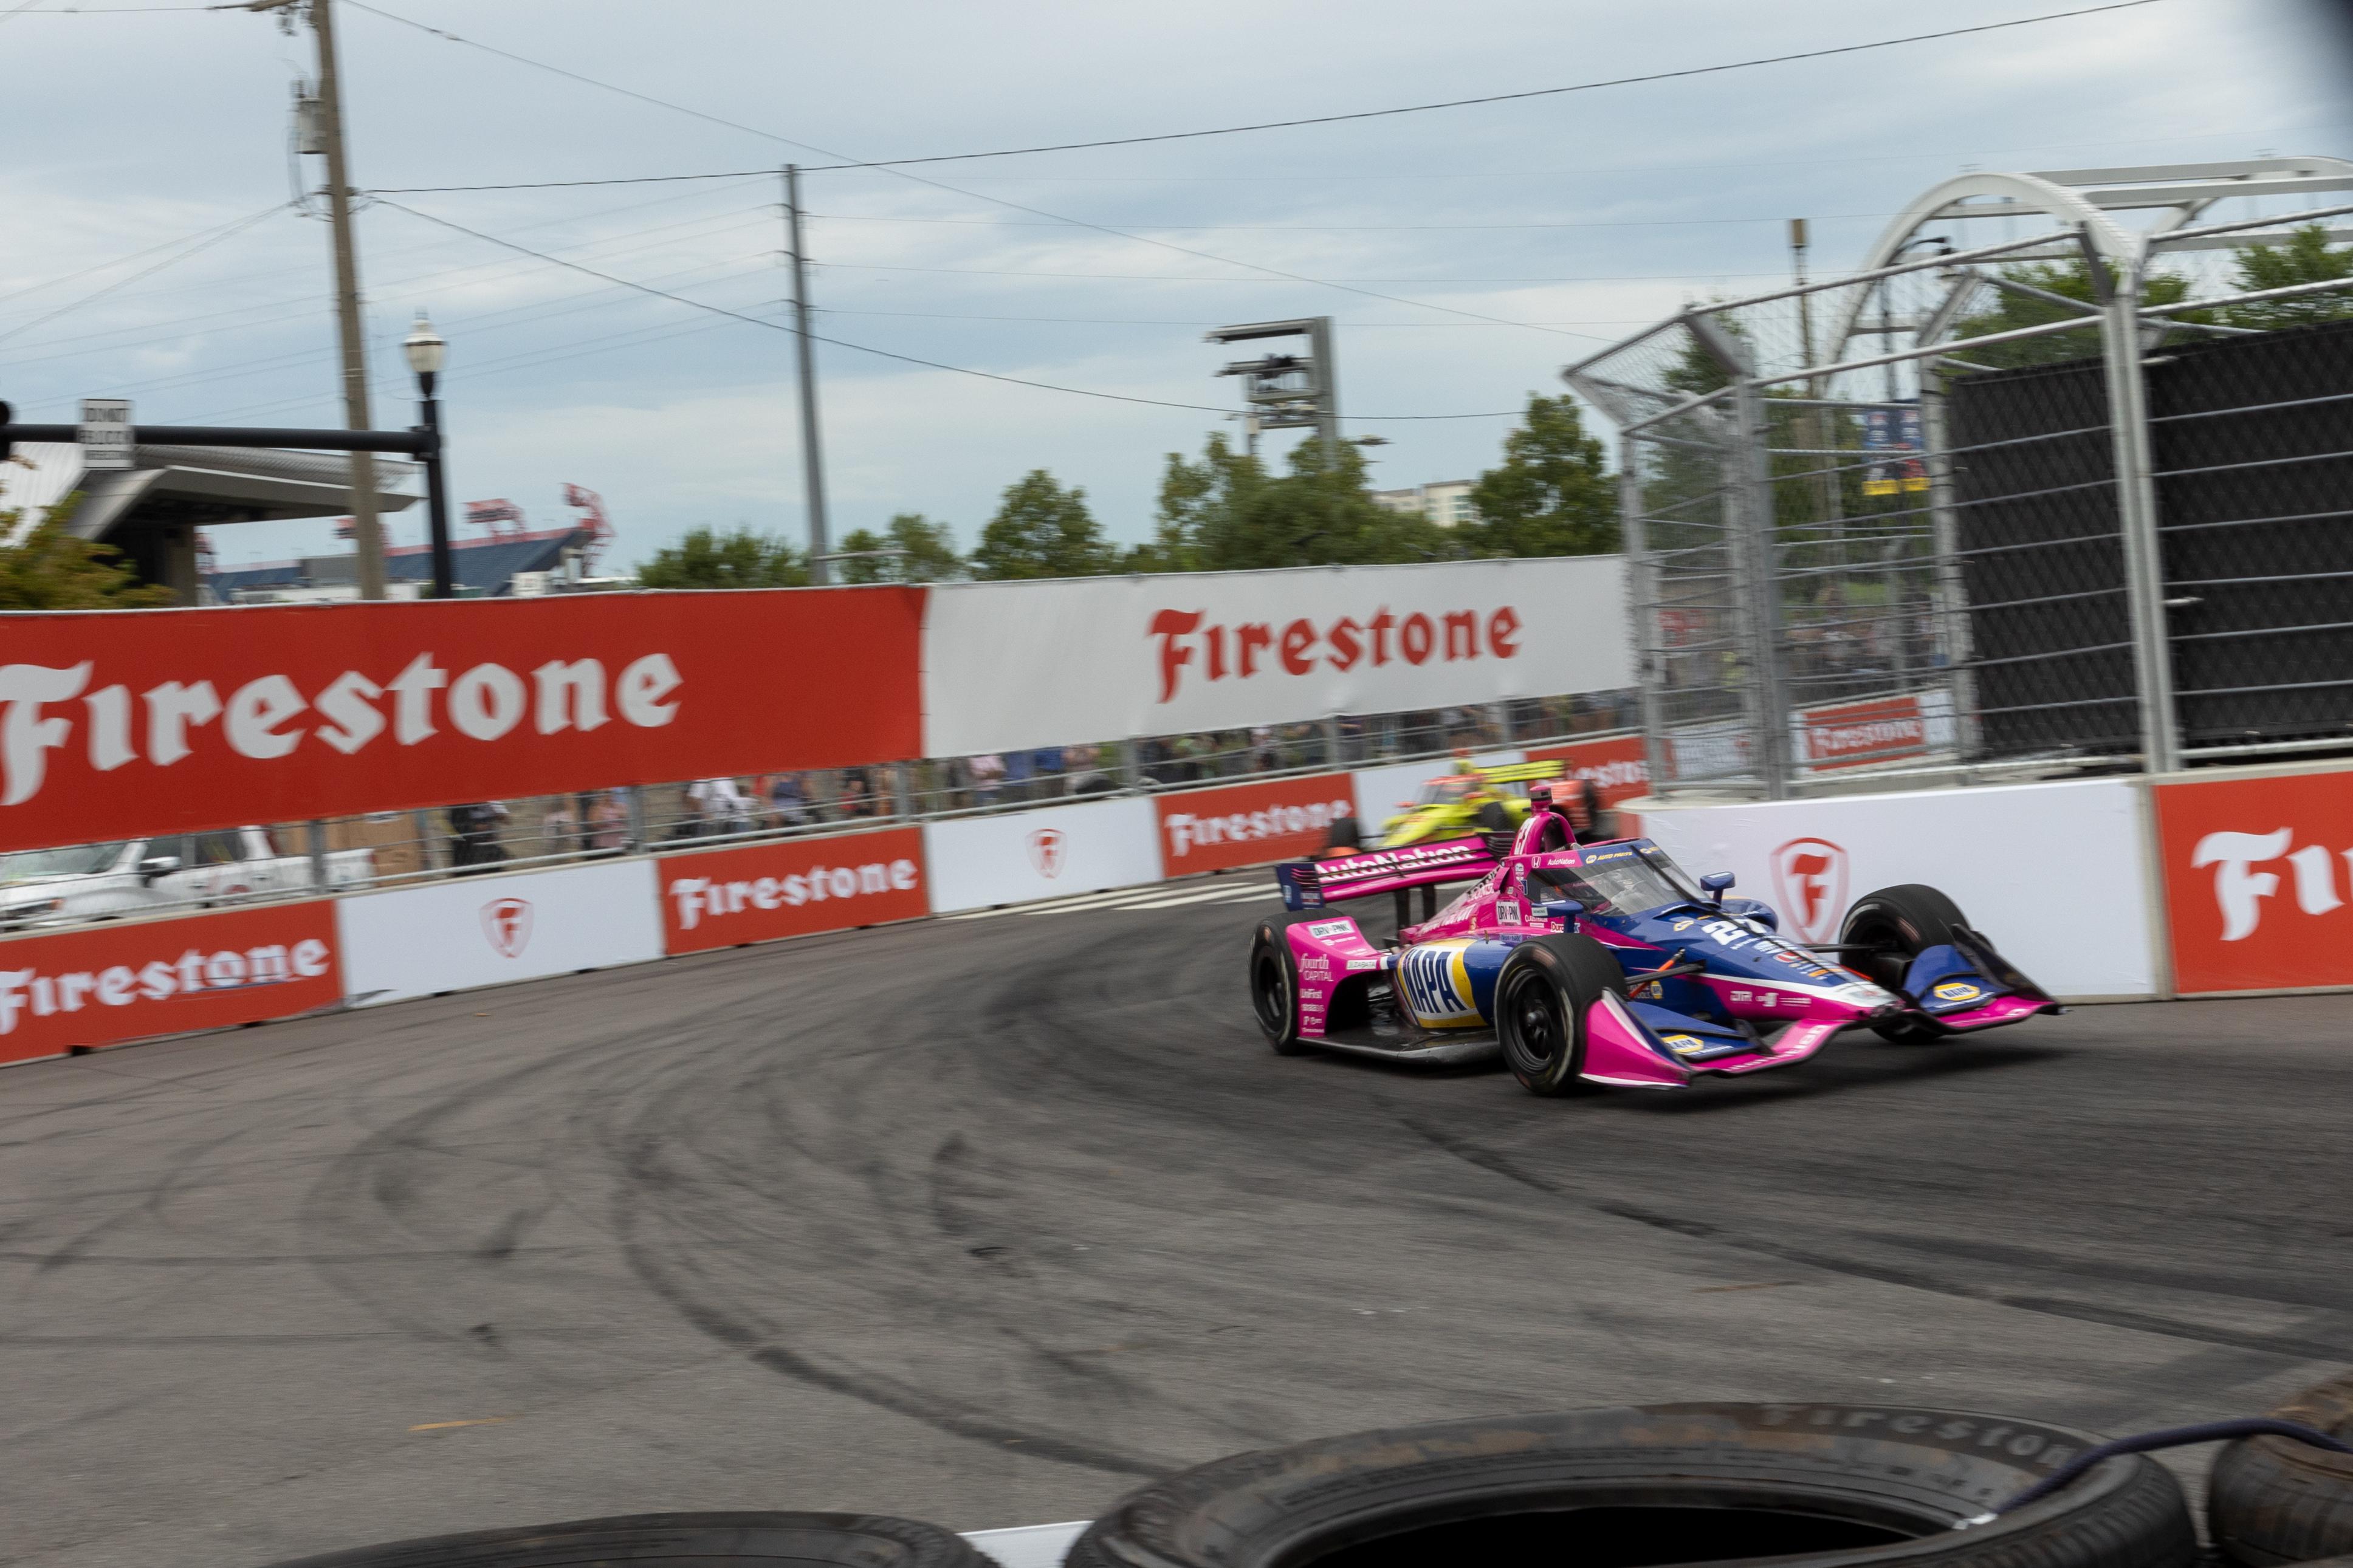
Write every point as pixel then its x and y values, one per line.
pixel 1945 522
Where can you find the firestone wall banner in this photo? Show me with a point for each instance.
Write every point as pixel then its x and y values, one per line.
pixel 487 930
pixel 2025 863
pixel 132 980
pixel 163 720
pixel 1010 666
pixel 791 886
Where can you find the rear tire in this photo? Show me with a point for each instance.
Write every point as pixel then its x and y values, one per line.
pixel 1274 985
pixel 1541 998
pixel 678 1541
pixel 1344 835
pixel 1897 924
pixel 1495 817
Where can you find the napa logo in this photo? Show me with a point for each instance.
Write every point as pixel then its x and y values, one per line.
pixel 1684 1045
pixel 1958 991
pixel 1436 984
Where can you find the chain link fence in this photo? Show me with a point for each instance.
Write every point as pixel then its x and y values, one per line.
pixel 176 872
pixel 1992 530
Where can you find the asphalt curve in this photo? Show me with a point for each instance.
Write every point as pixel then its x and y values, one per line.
pixel 985 1221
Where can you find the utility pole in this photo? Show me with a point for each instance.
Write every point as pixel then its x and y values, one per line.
pixel 812 460
pixel 366 534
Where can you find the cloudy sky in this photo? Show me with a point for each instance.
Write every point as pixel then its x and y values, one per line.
pixel 140 140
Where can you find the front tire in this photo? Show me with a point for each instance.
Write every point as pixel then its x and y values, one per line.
pixel 1895 926
pixel 1274 987
pixel 1541 999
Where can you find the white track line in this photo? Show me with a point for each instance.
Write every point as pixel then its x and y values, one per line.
pixel 1226 895
pixel 1146 898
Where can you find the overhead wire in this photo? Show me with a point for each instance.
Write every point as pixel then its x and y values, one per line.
pixel 1680 73
pixel 887 353
pixel 230 232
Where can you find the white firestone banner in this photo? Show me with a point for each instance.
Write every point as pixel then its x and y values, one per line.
pixel 978 861
pixel 2052 872
pixel 1011 665
pixel 486 931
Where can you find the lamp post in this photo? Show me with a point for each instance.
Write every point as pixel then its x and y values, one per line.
pixel 427 350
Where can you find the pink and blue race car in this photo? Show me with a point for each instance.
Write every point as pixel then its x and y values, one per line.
pixel 1604 964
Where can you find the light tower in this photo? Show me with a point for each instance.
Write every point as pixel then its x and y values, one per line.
pixel 1289 391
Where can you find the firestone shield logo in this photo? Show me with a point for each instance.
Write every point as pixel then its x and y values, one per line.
pixel 1810 874
pixel 1046 851
pixel 507 922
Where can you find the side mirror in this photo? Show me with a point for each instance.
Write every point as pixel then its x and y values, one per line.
pixel 1715 882
pixel 156 865
pixel 1566 910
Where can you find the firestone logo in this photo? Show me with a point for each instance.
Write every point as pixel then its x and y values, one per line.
pixel 1186 831
pixel 1046 851
pixel 2239 888
pixel 1242 651
pixel 194 972
pixel 257 719
pixel 1811 876
pixel 507 922
pixel 697 897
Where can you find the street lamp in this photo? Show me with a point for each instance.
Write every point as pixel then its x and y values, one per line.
pixel 427 348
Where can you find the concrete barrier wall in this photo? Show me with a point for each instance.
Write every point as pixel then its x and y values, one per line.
pixel 2225 882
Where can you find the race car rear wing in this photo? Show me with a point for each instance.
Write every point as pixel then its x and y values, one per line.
pixel 1311 884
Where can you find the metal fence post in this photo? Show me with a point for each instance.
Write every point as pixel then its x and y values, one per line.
pixel 1752 491
pixel 1131 765
pixel 317 836
pixel 2136 515
pixel 633 800
pixel 903 798
pixel 1332 758
pixel 1642 591
pixel 1950 587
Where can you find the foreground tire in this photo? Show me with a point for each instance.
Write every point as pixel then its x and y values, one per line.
pixel 679 1540
pixel 2273 1499
pixel 1540 1002
pixel 1274 985
pixel 1896 925
pixel 1655 1485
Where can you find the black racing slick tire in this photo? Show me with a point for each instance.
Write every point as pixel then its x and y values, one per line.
pixel 1894 926
pixel 1854 1487
pixel 1343 834
pixel 1275 982
pixel 1495 817
pixel 1540 1001
pixel 678 1541
pixel 2273 1499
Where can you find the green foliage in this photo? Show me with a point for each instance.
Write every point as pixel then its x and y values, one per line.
pixel 2072 279
pixel 1227 513
pixel 1552 496
pixel 2305 259
pixel 50 569
pixel 1042 531
pixel 930 552
pixel 743 559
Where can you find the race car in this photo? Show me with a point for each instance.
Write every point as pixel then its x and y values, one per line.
pixel 1469 800
pixel 1605 964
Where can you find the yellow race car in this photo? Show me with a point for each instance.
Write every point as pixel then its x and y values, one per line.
pixel 1469 800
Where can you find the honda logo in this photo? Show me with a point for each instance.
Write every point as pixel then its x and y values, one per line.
pixel 507 922
pixel 1046 851
pixel 1809 875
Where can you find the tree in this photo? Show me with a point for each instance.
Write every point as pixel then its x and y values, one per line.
pixel 706 559
pixel 1551 496
pixel 1042 531
pixel 46 568
pixel 2305 259
pixel 2073 280
pixel 1225 512
pixel 930 553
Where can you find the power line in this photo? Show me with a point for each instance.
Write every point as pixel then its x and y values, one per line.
pixel 1226 130
pixel 207 243
pixel 1357 227
pixel 886 353
pixel 1195 278
pixel 1001 201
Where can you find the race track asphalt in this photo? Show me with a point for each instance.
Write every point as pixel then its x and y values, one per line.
pixel 986 1221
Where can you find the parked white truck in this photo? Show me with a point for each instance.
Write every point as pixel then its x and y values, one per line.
pixel 189 870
